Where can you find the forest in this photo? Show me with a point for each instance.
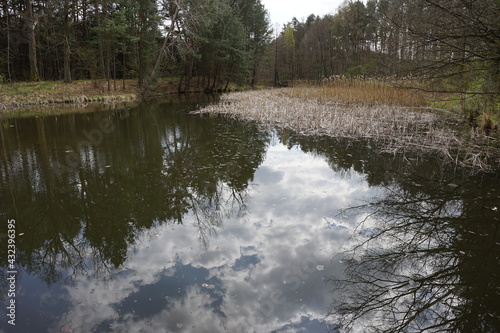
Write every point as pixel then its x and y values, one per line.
pixel 447 46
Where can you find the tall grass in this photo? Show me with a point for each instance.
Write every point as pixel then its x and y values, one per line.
pixel 369 92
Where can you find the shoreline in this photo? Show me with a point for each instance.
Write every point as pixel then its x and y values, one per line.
pixel 401 128
pixel 15 96
pixel 73 100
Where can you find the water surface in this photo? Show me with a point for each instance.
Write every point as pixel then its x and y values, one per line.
pixel 151 219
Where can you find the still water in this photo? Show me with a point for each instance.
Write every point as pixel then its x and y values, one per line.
pixel 151 219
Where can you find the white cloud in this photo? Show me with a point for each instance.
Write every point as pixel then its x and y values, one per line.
pixel 170 283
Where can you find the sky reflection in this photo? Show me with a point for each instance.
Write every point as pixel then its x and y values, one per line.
pixel 263 271
pixel 207 224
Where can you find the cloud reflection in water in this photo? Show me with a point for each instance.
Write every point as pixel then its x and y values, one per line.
pixel 262 272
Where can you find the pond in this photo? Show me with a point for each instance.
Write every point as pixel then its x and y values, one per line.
pixel 152 219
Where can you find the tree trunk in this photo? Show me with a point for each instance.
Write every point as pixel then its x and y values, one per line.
pixel 190 75
pixel 114 71
pixel 31 25
pixel 141 45
pixel 98 23
pixel 124 75
pixel 67 46
pixel 107 41
pixel 216 78
pixel 67 60
pixel 7 28
pixel 163 50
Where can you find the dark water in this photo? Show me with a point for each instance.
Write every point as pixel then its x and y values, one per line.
pixel 149 219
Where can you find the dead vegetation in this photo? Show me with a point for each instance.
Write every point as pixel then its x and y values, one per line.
pixel 398 127
pixel 370 92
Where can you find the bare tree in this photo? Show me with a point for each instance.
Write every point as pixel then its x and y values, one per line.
pixel 423 262
pixel 452 40
pixel 174 7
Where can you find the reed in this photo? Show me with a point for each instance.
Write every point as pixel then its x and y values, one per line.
pixel 399 128
pixel 370 92
pixel 314 116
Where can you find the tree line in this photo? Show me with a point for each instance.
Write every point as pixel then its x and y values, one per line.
pixel 216 41
pixel 453 44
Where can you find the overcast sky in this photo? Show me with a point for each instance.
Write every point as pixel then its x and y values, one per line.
pixel 282 11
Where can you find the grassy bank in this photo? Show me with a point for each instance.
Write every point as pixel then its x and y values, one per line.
pixel 400 127
pixel 14 95
pixel 20 94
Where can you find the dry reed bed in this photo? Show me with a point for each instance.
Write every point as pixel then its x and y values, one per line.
pixel 362 91
pixel 398 128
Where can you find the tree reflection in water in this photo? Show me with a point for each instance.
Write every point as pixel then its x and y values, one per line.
pixel 156 165
pixel 425 258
